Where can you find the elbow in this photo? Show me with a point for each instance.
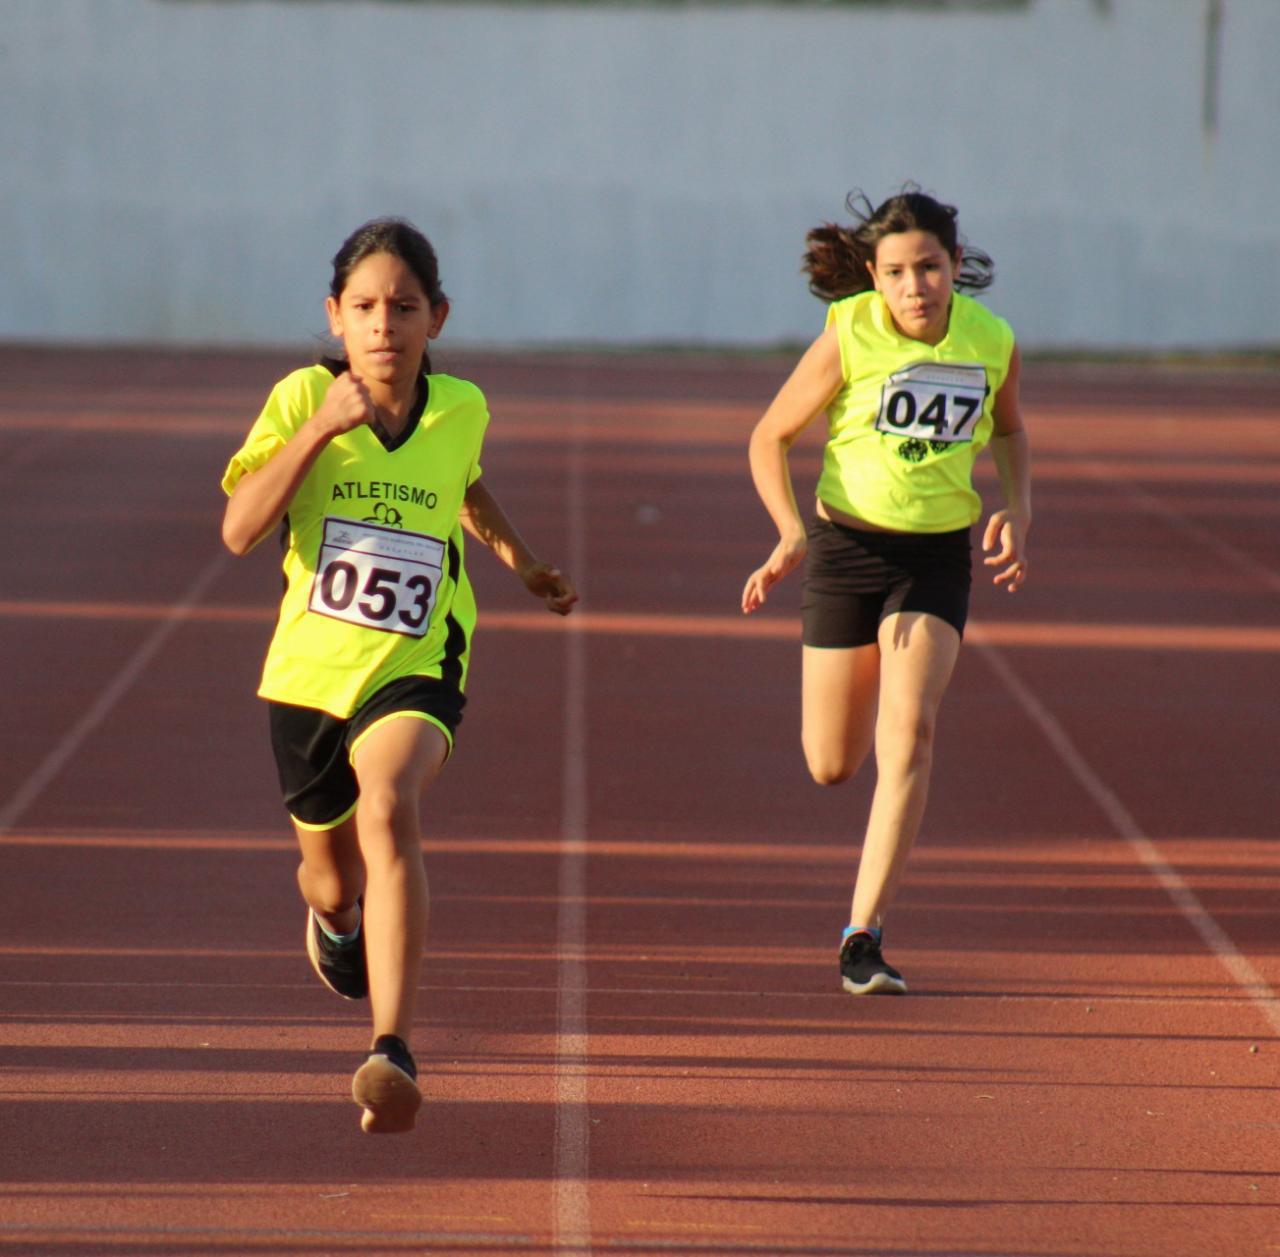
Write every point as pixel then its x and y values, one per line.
pixel 765 445
pixel 236 540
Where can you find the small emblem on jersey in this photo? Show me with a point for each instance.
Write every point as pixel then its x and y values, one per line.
pixel 386 515
pixel 377 577
pixel 932 406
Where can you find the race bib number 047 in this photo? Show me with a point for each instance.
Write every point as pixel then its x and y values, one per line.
pixel 378 578
pixel 933 401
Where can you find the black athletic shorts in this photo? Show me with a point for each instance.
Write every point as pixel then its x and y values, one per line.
pixel 313 749
pixel 854 578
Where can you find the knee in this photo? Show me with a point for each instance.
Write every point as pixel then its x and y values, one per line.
pixel 830 774
pixel 386 803
pixel 330 890
pixel 906 742
pixel 834 760
pixel 826 768
pixel 388 821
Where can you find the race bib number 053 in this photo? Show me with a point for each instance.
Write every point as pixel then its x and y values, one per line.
pixel 378 578
pixel 933 401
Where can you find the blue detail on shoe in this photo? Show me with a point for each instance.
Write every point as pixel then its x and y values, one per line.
pixel 340 966
pixel 341 940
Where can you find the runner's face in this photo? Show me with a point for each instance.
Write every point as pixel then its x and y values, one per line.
pixel 915 274
pixel 385 320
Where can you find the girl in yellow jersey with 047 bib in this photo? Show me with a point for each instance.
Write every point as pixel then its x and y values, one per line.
pixel 373 466
pixel 915 379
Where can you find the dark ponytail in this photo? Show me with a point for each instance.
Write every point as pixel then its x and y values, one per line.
pixel 837 255
pixel 401 239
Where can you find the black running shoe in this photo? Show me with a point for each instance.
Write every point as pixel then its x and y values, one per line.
pixel 864 971
pixel 340 966
pixel 386 1087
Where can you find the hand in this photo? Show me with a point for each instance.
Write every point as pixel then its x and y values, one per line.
pixel 787 555
pixel 347 405
pixel 550 584
pixel 1010 532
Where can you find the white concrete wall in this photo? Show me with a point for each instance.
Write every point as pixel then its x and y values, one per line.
pixel 183 170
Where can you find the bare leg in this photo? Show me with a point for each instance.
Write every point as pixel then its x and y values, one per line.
pixel 918 653
pixel 394 763
pixel 838 690
pixel 331 875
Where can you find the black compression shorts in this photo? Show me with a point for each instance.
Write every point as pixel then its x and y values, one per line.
pixel 313 749
pixel 854 578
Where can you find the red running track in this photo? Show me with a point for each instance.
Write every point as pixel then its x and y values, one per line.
pixel 632 1033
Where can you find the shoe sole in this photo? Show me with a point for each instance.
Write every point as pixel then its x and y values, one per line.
pixel 879 984
pixel 389 1097
pixel 313 955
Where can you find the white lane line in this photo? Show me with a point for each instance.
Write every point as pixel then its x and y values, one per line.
pixel 1251 566
pixel 54 762
pixel 571 1212
pixel 1202 921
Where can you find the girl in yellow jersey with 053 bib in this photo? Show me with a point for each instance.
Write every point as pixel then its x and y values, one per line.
pixel 915 379
pixel 373 465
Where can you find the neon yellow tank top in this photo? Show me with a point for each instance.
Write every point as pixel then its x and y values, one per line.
pixel 375 583
pixel 911 419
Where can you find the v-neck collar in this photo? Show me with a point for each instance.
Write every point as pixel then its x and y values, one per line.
pixel 420 398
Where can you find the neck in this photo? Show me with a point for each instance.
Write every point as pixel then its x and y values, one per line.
pixel 395 399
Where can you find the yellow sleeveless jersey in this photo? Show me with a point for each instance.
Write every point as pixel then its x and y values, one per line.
pixel 910 420
pixel 375 587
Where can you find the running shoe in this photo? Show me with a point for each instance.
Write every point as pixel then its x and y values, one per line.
pixel 386 1087
pixel 864 971
pixel 340 966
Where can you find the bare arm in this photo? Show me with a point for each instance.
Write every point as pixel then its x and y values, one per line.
pixel 260 499
pixel 1009 447
pixel 483 517
pixel 816 379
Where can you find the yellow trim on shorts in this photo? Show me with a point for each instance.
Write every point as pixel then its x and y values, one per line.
pixel 320 829
pixel 395 715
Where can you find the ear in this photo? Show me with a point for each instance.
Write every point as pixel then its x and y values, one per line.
pixel 438 315
pixel 335 316
pixel 875 279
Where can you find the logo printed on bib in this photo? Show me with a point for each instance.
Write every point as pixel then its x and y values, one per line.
pixel 933 402
pixel 377 577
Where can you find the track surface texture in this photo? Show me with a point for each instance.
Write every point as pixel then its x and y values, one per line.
pixel 632 1035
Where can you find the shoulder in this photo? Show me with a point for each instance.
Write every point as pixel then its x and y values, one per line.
pixel 972 310
pixel 848 310
pixel 450 390
pixel 294 399
pixel 304 385
pixel 984 324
